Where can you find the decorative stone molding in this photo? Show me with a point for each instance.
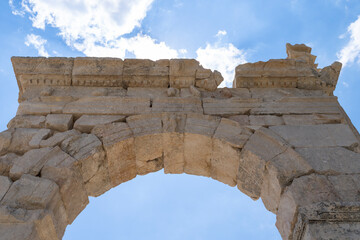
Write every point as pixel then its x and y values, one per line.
pixel 86 125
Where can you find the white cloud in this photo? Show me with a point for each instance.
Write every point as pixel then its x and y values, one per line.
pixel 38 43
pixel 223 57
pixel 97 28
pixel 351 52
pixel 221 33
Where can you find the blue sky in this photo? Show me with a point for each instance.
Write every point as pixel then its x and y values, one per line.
pixel 219 33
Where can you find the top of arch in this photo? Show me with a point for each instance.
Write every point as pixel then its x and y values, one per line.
pixel 298 70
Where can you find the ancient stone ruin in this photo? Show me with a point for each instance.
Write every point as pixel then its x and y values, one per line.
pixel 86 125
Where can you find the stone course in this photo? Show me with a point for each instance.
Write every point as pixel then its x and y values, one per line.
pixel 86 125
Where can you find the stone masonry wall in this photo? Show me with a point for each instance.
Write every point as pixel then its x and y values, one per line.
pixel 85 125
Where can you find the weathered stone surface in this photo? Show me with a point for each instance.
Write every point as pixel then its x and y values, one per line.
pixel 182 72
pixel 33 193
pixel 6 162
pixel 87 149
pixel 332 160
pixel 201 124
pixel 276 94
pixel 40 108
pixel 347 187
pixel 280 171
pixel 59 122
pixel 300 52
pixel 27 121
pixel 176 104
pixel 148 143
pixel 5 141
pixel 313 119
pixel 227 107
pixel 30 163
pixel 63 170
pixel 330 74
pixel 108 105
pixel 241 119
pixel 194 91
pixel 332 230
pixel 254 158
pixel 197 162
pixel 173 152
pixel 40 135
pixel 327 135
pixel 20 140
pixel 299 105
pixel 58 138
pixel 232 133
pixel 303 191
pixel 5 184
pixel 224 163
pixel 87 122
pixel 149 92
pixel 112 133
pixel 265 120
pixel 97 71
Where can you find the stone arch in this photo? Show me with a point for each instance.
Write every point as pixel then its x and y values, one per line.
pixel 279 135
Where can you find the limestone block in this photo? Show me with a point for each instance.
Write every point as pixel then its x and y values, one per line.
pixel 40 108
pixel 332 230
pixel 227 107
pixel 33 193
pixel 313 119
pixel 100 182
pixel 347 187
pixel 327 135
pixel 182 72
pixel 300 52
pixel 40 135
pixel 253 160
pixel 6 162
pixel 194 91
pixel 265 120
pixel 5 140
pixel 42 71
pixel 145 124
pixel 241 119
pixel 224 162
pixel 147 92
pixel 62 169
pixel 21 138
pixel 58 138
pixel 112 133
pixel 27 121
pixel 332 160
pixel 59 122
pixel 201 124
pixel 97 71
pixel 121 161
pixel 209 83
pixel 330 74
pixel 146 73
pixel 177 104
pixel 173 152
pixel 111 105
pixel 148 143
pixel 87 149
pixel 27 231
pixel 276 94
pixel 5 184
pixel 232 133
pixel 87 122
pixel 299 105
pixel 302 192
pixel 280 171
pixel 30 163
pixel 197 154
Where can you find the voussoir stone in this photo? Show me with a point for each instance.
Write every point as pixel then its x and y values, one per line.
pixel 65 172
pixel 6 162
pixel 32 193
pixel 5 184
pixel 253 160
